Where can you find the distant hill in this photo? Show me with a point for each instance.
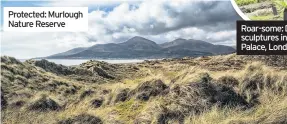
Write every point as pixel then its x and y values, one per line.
pixel 195 47
pixel 139 47
pixel 234 46
pixel 70 52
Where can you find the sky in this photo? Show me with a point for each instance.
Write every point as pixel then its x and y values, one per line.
pixel 115 21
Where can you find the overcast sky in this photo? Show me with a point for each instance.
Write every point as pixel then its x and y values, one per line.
pixel 116 21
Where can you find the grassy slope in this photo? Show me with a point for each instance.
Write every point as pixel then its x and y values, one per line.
pixel 272 106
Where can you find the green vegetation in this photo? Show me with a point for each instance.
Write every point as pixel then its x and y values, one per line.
pixel 268 17
pixel 129 109
pixel 281 3
pixel 262 9
pixel 245 2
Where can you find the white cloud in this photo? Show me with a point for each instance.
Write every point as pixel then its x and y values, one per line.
pixel 158 20
pixel 27 45
pixel 62 3
pixel 152 18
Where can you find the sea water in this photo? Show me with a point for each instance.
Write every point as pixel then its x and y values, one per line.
pixel 69 62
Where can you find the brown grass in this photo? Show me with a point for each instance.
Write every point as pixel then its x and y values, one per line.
pixel 272 96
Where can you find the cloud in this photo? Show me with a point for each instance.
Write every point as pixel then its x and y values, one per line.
pixel 90 3
pixel 158 20
pixel 28 45
pixel 152 18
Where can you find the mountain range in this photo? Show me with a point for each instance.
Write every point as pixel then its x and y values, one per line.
pixel 139 47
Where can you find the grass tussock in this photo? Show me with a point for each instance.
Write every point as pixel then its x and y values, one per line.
pixel 221 89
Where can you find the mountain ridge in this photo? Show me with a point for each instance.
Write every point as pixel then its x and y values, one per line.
pixel 139 47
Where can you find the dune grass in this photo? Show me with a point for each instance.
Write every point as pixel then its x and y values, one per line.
pixel 270 83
